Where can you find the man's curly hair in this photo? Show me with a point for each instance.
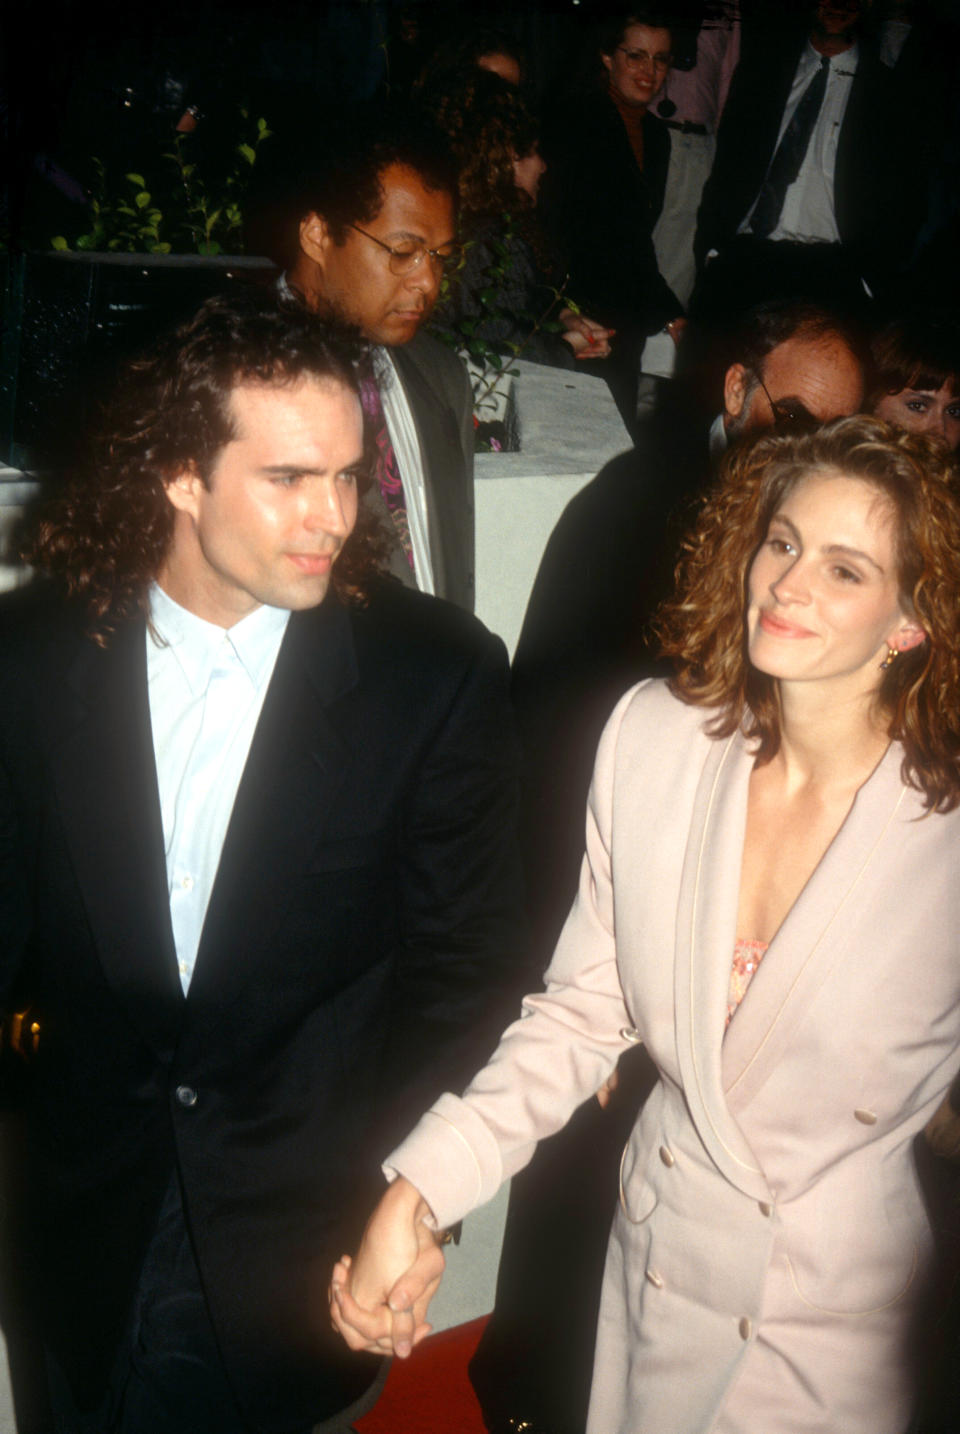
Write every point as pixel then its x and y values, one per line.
pixel 703 627
pixel 106 535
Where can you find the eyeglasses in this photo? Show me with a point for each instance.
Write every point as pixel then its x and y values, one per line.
pixel 404 258
pixel 634 58
pixel 789 414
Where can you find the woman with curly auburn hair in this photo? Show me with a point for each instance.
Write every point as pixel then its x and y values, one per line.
pixel 769 903
pixel 702 629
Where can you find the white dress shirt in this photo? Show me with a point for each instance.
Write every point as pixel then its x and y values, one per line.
pixel 809 213
pixel 206 686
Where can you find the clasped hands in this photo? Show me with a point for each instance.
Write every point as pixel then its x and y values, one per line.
pixel 378 1301
pixel 587 338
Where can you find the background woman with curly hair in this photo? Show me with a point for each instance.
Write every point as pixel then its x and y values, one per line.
pixel 509 286
pixel 769 903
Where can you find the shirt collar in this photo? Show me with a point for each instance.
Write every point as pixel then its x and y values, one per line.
pixel 719 440
pixel 844 63
pixel 196 644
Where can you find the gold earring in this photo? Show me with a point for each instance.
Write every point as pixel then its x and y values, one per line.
pixel 892 652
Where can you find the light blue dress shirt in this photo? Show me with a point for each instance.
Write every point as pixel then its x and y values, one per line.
pixel 206 687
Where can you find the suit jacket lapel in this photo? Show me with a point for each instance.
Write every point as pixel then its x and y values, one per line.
pixel 105 773
pixel 706 932
pixel 437 431
pixel 810 941
pixel 290 782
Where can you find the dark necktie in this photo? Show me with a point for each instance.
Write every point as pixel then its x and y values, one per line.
pixel 785 165
pixel 387 469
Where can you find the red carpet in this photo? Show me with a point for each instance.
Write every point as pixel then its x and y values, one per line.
pixel 430 1393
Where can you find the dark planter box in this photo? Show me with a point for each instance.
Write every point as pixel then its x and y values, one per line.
pixel 70 320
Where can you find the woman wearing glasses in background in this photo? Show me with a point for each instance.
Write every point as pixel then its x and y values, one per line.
pixel 769 903
pixel 607 159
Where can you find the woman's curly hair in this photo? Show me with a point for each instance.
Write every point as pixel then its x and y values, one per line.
pixel 488 125
pixel 703 627
pixel 105 536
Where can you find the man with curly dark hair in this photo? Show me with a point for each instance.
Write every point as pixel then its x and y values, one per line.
pixel 253 805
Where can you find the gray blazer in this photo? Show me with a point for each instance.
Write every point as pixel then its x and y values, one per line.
pixel 438 391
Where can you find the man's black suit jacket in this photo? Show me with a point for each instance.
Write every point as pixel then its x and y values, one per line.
pixel 363 909
pixel 876 206
pixel 586 637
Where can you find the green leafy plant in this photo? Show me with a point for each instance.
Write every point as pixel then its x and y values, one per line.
pixel 182 209
pixel 492 361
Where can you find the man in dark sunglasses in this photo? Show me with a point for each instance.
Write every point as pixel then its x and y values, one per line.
pixel 794 366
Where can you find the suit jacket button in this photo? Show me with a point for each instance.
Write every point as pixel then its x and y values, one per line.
pixel 746 1328
pixel 186 1095
pixel 630 1033
pixel 865 1117
pixel 655 1279
pixel 667 1157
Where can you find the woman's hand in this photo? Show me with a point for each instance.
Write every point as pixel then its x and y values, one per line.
pixel 378 1302
pixel 607 1091
pixel 587 338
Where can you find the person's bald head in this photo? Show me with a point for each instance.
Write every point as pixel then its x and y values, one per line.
pixel 793 361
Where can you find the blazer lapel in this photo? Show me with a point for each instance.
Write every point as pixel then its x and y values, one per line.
pixel 437 431
pixel 105 773
pixel 810 941
pixel 293 773
pixel 706 932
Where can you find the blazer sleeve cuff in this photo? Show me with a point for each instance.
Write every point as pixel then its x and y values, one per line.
pixel 452 1158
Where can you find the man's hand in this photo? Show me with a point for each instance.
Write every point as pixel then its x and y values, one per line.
pixel 379 1301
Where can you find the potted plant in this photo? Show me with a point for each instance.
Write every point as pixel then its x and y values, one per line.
pixel 158 240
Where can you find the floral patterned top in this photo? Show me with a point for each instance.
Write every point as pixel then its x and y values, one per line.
pixel 747 956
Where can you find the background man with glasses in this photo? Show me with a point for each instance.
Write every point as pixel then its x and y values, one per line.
pixel 368 232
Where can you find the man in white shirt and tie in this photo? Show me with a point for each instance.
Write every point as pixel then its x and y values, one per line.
pixel 809 153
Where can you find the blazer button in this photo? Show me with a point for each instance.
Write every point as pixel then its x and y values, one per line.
pixel 746 1328
pixel 655 1279
pixel 630 1033
pixel 667 1157
pixel 865 1117
pixel 186 1095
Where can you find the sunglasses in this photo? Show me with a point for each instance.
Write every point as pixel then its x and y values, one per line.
pixel 789 414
